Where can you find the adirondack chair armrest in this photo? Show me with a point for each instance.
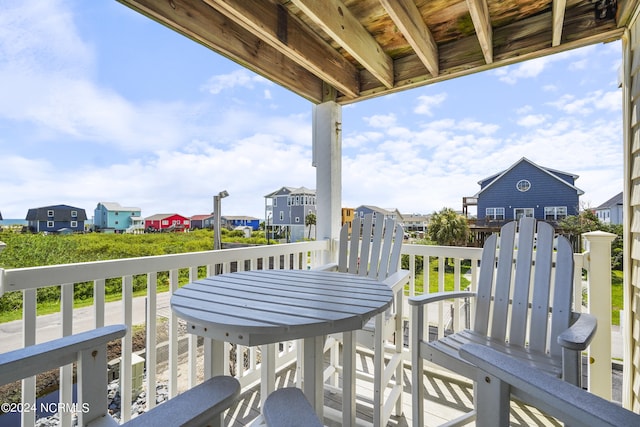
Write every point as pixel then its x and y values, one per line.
pixel 580 333
pixel 558 398
pixel 195 407
pixel 439 296
pixel 24 362
pixel 398 279
pixel 332 266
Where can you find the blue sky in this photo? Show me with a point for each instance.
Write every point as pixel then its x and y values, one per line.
pixel 99 103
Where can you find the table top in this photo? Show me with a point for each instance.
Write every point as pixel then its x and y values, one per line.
pixel 266 306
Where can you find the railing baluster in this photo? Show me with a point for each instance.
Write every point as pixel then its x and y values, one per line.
pixel 98 302
pixel 29 338
pixel 173 339
pixel 151 332
pixel 66 372
pixel 192 342
pixel 127 349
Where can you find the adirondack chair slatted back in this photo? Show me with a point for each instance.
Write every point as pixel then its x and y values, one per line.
pixel 373 249
pixel 515 292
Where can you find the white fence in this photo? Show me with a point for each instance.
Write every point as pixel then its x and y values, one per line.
pixel 288 256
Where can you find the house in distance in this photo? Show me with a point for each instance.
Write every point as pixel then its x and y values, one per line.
pixel 56 219
pixel 111 217
pixel 526 189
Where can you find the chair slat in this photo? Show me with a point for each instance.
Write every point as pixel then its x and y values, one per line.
pixel 562 295
pixel 365 260
pixel 343 249
pixel 378 227
pixel 485 282
pixel 504 276
pixel 542 288
pixel 394 261
pixel 522 287
pixel 383 266
pixel 354 244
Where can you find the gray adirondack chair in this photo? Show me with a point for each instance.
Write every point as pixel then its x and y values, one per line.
pixel 372 249
pixel 201 405
pixel 523 307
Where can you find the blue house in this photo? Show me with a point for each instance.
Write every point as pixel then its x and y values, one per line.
pixel 111 217
pixel 377 212
pixel 527 189
pixel 56 219
pixel 286 211
pixel 240 221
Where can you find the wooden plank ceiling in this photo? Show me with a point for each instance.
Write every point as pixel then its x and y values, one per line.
pixel 348 50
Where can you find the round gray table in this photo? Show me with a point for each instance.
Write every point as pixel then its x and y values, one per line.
pixel 269 306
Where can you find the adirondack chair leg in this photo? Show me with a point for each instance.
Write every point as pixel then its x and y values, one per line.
pixel 571 366
pixel 492 401
pixel 417 368
pixel 378 368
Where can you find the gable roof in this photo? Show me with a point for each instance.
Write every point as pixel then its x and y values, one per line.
pixel 290 190
pixel 201 217
pixel 377 209
pixel 115 206
pixel 551 172
pixel 615 200
pixel 62 213
pixel 163 216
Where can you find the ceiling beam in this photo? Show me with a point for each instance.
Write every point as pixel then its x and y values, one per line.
pixel 286 33
pixel 407 17
pixel 339 23
pixel 559 7
pixel 481 21
pixel 210 28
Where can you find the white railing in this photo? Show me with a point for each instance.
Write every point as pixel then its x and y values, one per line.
pixel 287 256
pixel 29 280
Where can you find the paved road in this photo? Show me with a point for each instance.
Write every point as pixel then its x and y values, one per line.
pixel 50 326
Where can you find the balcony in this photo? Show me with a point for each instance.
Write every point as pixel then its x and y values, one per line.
pixel 179 358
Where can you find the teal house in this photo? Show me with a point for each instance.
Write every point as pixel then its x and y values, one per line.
pixel 111 217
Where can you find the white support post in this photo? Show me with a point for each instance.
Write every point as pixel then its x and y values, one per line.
pixel 599 247
pixel 327 158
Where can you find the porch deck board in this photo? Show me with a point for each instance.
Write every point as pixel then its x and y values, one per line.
pixel 448 396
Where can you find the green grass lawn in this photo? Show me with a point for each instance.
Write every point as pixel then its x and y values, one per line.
pixel 616 296
pixel 616 287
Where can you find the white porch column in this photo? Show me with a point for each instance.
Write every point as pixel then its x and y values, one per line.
pixel 599 247
pixel 327 159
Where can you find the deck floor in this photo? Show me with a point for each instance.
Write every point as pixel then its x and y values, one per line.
pixel 447 398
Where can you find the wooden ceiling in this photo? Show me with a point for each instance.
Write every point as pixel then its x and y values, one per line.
pixel 348 50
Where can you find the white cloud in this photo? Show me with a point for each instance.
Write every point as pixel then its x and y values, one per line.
pixel 534 67
pixel 531 120
pixel 380 120
pixel 596 100
pixel 426 103
pixel 238 78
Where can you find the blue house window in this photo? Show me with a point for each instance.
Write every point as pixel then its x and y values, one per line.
pixel 494 214
pixel 49 213
pixel 555 213
pixel 74 224
pixel 523 185
pixel 50 224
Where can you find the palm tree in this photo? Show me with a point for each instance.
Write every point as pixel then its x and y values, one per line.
pixel 309 221
pixel 448 228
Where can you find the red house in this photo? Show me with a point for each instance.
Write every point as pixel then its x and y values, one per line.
pixel 167 222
